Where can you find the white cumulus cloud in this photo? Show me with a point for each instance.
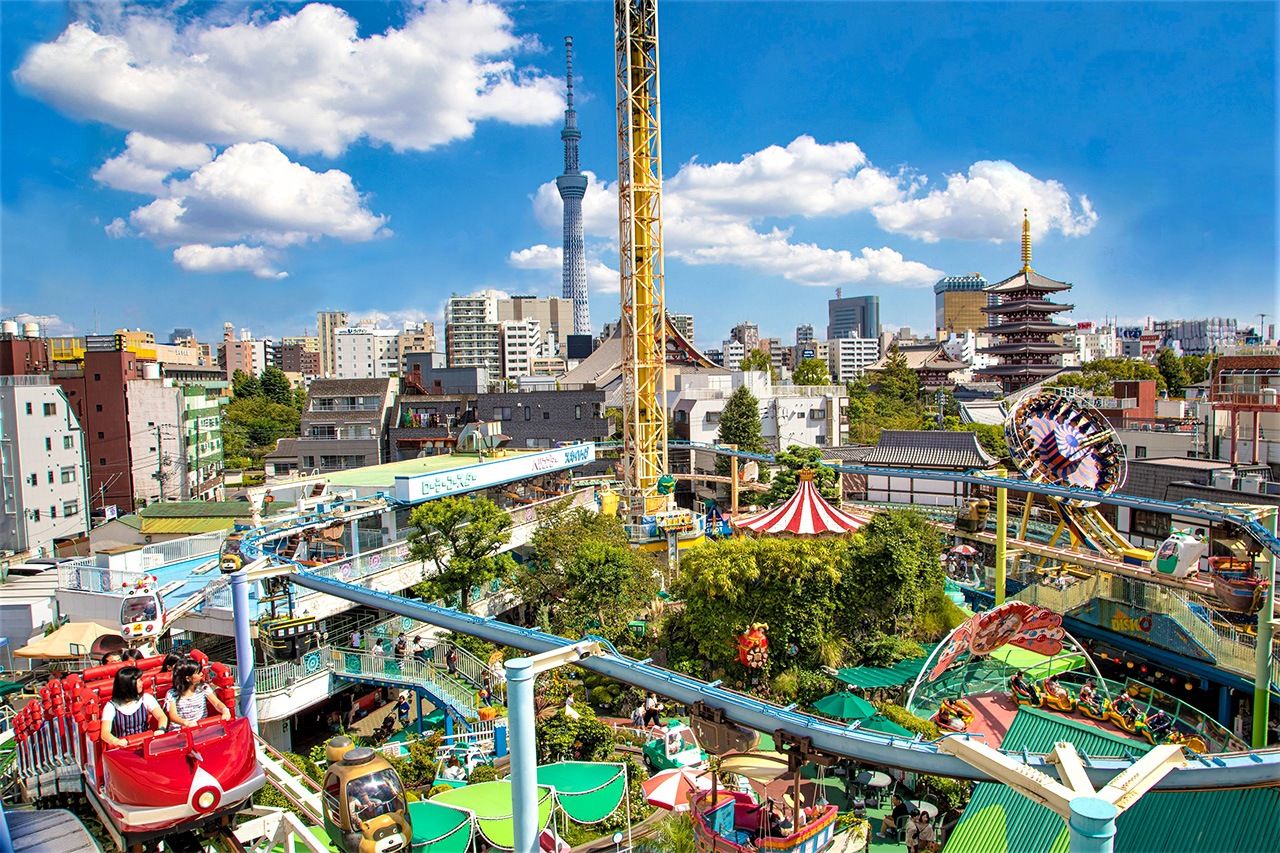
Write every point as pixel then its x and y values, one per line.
pixel 201 257
pixel 307 80
pixel 986 203
pixel 253 193
pixel 601 278
pixel 146 161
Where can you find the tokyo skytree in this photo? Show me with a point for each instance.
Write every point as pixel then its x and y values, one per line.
pixel 573 186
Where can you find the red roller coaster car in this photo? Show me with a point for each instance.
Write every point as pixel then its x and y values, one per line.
pixel 159 782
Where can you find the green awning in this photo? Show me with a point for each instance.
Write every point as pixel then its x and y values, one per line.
pixel 490 802
pixel 587 792
pixel 884 725
pixel 438 828
pixel 876 677
pixel 7 687
pixel 1036 665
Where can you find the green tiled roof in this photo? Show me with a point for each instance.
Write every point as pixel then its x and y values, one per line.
pixel 873 677
pixel 998 819
pixel 197 509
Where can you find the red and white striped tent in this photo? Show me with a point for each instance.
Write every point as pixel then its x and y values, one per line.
pixel 805 513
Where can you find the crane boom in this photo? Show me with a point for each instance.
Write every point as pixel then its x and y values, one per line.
pixel 644 344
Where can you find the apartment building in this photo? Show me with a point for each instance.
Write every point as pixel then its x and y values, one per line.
pixel 327 322
pixel 414 339
pixel 553 315
pixel 344 425
pixel 365 352
pixel 807 415
pixel 849 358
pixel 44 497
pixel 175 435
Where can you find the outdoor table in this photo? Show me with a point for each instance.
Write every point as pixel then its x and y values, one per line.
pixel 928 808
pixel 873 779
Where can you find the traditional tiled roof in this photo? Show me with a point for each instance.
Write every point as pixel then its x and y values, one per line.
pixel 286 448
pixel 923 357
pixel 998 819
pixel 929 449
pixel 1028 280
pixel 350 387
pixel 847 453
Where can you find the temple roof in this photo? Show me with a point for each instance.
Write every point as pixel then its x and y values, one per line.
pixel 1013 327
pixel 1017 347
pixel 1031 305
pixel 1016 369
pixel 1028 279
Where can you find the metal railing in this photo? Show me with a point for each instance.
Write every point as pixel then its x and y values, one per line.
pixel 86 575
pixel 353 663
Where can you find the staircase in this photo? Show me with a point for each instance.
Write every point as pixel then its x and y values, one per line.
pixel 431 677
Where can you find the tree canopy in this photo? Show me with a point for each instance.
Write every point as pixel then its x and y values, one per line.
pixel 896 380
pixel 759 359
pixel 468 532
pixel 811 371
pixel 276 387
pixel 740 425
pixel 251 426
pixel 787 477
pixel 1098 377
pixel 245 385
pixel 584 574
pixel 1172 371
pixel 827 602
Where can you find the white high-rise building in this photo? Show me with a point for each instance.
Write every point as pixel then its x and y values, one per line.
pixel 848 358
pixel 522 344
pixel 43 479
pixel 365 352
pixel 472 335
pixel 328 322
pixel 734 353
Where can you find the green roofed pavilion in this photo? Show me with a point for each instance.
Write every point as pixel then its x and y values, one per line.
pixel 1000 820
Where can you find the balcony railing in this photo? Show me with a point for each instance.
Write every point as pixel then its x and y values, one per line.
pixel 345 407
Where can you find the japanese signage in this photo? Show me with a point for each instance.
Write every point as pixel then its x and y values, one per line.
pixel 422 487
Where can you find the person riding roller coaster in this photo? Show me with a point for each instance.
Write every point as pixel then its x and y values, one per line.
pixel 954 714
pixel 1021 686
pixel 1160 724
pixel 1123 705
pixel 1088 699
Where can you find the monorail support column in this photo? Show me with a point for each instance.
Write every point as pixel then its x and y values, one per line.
pixel 1002 538
pixel 1262 657
pixel 244 647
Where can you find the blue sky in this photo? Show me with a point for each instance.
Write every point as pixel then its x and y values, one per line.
pixel 257 163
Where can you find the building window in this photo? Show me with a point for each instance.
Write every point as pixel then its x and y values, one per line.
pixel 68 474
pixel 577 412
pixel 48 443
pixel 502 413
pixel 1147 523
pixel 51 476
pixel 28 408
pixel 102 460
pixel 101 435
pixel 713 417
pixel 53 512
pixel 68 442
pixel 50 409
pixel 546 416
pixel 528 413
pixel 98 407
pixel 70 508
pixel 1139 452
pixel 97 377
pixel 35 515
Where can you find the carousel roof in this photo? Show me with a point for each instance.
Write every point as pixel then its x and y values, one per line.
pixel 805 513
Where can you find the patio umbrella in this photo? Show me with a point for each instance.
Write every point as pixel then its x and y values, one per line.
pixel 964 550
pixel 886 726
pixel 671 789
pixel 845 706
pixel 72 640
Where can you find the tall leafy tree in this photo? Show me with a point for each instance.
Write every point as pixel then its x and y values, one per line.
pixel 276 387
pixel 468 533
pixel 245 385
pixel 896 379
pixel 787 477
pixel 740 425
pixel 1099 376
pixel 1172 370
pixel 759 359
pixel 811 371
pixel 888 573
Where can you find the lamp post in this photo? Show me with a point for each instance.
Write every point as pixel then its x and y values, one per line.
pixel 521 675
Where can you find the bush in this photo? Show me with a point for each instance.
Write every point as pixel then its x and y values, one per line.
pixel 908 720
pixel 483 773
pixel 438 789
pixel 950 793
pixel 937 616
pixel 675 834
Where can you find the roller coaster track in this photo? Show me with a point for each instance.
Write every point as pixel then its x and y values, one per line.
pixel 1227 770
pixel 298 789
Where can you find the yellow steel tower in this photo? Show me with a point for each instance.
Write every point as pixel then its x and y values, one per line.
pixel 644 337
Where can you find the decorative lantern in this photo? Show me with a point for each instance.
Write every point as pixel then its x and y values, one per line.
pixel 753 646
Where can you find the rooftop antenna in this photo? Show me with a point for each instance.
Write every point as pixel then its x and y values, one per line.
pixel 1026 241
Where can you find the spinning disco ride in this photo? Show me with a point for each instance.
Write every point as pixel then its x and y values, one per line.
pixel 1057 439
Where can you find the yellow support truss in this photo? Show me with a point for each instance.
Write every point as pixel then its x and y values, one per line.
pixel 644 339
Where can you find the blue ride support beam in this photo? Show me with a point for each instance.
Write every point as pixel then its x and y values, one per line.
pixel 1002 538
pixel 1092 825
pixel 524 757
pixel 417 710
pixel 244 647
pixel 1262 659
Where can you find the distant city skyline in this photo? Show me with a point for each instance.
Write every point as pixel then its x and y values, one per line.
pixel 851 149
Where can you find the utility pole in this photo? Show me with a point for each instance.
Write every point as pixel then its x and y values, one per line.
pixel 159 463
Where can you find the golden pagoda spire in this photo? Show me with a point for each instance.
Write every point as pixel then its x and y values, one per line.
pixel 1026 241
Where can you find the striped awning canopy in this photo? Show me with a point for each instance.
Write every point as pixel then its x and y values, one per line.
pixel 805 513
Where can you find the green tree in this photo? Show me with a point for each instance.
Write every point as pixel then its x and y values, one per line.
pixel 275 386
pixel 889 572
pixel 245 385
pixel 582 571
pixel 251 426
pixel 759 359
pixel 811 371
pixel 896 380
pixel 1172 371
pixel 740 425
pixel 468 533
pixel 1099 377
pixel 561 737
pixel 787 478
pixel 870 411
pixel 1198 367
